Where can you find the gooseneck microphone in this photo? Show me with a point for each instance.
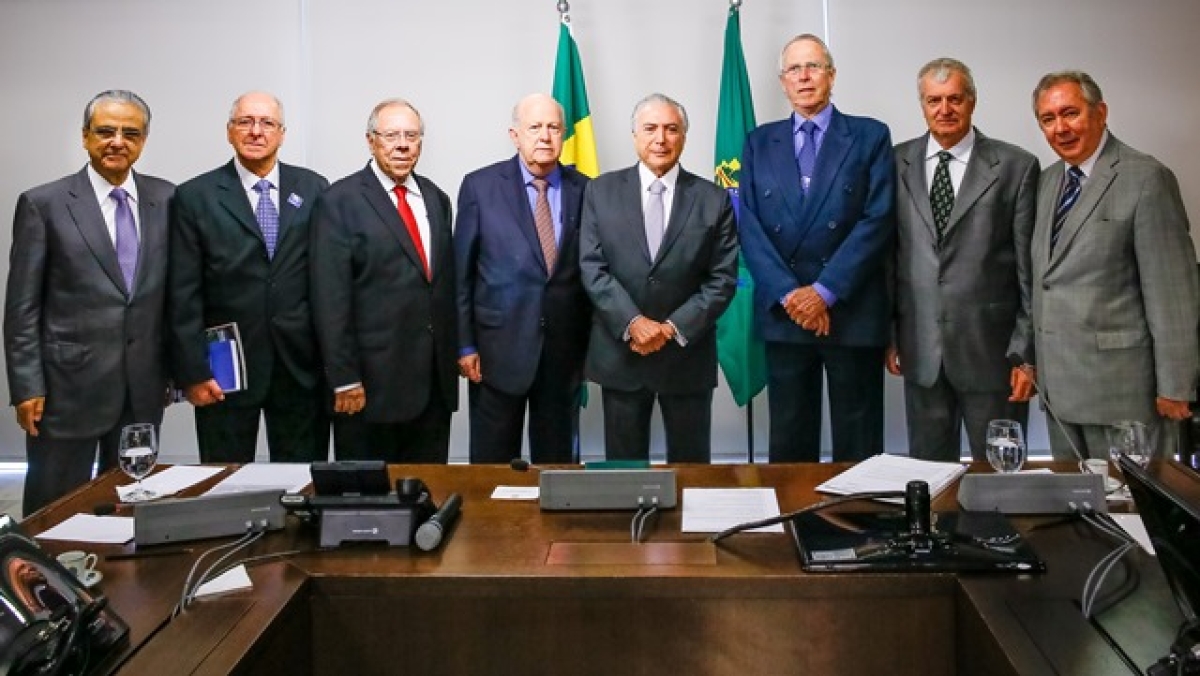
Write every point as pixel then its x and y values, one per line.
pixel 429 535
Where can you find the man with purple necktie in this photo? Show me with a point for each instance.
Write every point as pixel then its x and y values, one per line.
pixel 83 320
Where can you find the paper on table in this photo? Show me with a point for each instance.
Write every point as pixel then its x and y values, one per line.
pixel 516 493
pixel 171 480
pixel 891 473
pixel 231 580
pixel 264 476
pixel 1132 524
pixel 90 528
pixel 712 510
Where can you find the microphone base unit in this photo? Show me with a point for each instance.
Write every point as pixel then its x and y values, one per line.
pixel 1033 493
pixel 199 518
pixel 392 526
pixel 614 489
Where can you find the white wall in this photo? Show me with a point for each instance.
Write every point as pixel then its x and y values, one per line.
pixel 465 63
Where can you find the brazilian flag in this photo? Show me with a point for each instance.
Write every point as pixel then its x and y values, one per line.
pixel 742 356
pixel 579 144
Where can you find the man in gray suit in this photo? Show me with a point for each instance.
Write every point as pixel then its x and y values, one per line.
pixel 658 256
pixel 83 320
pixel 1114 278
pixel 965 206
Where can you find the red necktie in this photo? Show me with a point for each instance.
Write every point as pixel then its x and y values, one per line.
pixel 410 222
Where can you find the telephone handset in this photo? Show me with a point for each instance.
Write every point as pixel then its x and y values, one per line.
pixel 49 623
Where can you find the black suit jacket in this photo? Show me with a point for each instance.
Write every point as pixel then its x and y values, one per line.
pixel 690 282
pixel 508 309
pixel 220 273
pixel 72 332
pixel 380 322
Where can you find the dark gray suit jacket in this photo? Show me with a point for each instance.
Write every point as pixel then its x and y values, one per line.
pixel 379 321
pixel 690 282
pixel 1115 306
pixel 220 273
pixel 72 332
pixel 965 305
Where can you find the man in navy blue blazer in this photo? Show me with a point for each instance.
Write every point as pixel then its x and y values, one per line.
pixel 817 222
pixel 523 315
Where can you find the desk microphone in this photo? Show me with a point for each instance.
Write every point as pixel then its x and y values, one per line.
pixel 429 535
pixel 916 508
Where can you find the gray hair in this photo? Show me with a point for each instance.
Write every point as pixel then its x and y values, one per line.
pixel 238 101
pixel 516 111
pixel 115 96
pixel 373 120
pixel 941 69
pixel 658 98
pixel 1091 90
pixel 807 37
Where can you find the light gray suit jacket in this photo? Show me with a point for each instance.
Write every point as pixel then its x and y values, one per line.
pixel 966 304
pixel 1115 304
pixel 72 332
pixel 689 283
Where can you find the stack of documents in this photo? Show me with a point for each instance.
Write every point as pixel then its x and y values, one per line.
pixel 892 473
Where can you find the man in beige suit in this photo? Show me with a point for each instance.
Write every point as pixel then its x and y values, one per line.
pixel 1114 278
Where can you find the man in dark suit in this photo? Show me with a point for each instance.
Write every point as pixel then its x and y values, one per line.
pixel 818 194
pixel 239 254
pixel 964 210
pixel 382 264
pixel 658 254
pixel 83 321
pixel 523 316
pixel 1115 296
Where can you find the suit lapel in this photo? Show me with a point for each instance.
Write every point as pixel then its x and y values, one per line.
pixel 571 197
pixel 1094 188
pixel 782 161
pixel 982 171
pixel 439 247
pixel 375 196
pixel 287 210
pixel 913 177
pixel 233 199
pixel 90 221
pixel 152 220
pixel 516 200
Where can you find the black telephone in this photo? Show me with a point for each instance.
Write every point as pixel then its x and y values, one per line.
pixel 50 625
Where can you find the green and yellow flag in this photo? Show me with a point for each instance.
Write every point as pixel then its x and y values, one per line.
pixel 742 356
pixel 579 144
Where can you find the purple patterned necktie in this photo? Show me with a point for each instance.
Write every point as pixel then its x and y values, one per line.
pixel 267 215
pixel 126 239
pixel 807 159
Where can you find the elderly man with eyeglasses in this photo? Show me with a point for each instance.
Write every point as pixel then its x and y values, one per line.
pixel 383 299
pixel 83 316
pixel 239 256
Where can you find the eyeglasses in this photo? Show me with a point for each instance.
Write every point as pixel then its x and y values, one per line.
pixel 391 138
pixel 131 134
pixel 796 70
pixel 266 124
pixel 536 130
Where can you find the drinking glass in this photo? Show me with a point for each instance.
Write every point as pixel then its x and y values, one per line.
pixel 137 455
pixel 1131 438
pixel 1005 445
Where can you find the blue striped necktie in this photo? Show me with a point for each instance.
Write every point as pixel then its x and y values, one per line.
pixel 1070 195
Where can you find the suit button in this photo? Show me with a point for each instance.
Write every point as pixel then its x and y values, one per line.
pixel 778 229
pixel 652 280
pixel 1045 287
pixel 429 328
pixel 542 322
pixel 832 225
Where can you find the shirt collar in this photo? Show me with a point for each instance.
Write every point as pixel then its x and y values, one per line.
pixel 389 184
pixel 821 119
pixel 1089 164
pixel 554 178
pixel 959 150
pixel 102 187
pixel 668 179
pixel 249 179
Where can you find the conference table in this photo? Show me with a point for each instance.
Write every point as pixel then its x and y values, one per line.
pixel 515 590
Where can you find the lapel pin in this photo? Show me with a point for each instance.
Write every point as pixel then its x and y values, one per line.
pixel 295 200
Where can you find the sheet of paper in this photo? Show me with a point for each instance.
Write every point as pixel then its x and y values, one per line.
pixel 264 476
pixel 892 473
pixel 712 510
pixel 231 580
pixel 90 528
pixel 516 493
pixel 1132 524
pixel 171 480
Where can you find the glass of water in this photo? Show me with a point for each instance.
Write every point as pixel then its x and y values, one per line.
pixel 1005 445
pixel 1131 438
pixel 137 455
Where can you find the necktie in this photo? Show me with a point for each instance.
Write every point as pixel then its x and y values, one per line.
pixel 655 221
pixel 267 215
pixel 807 159
pixel 126 239
pixel 941 196
pixel 1069 196
pixel 410 222
pixel 544 222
